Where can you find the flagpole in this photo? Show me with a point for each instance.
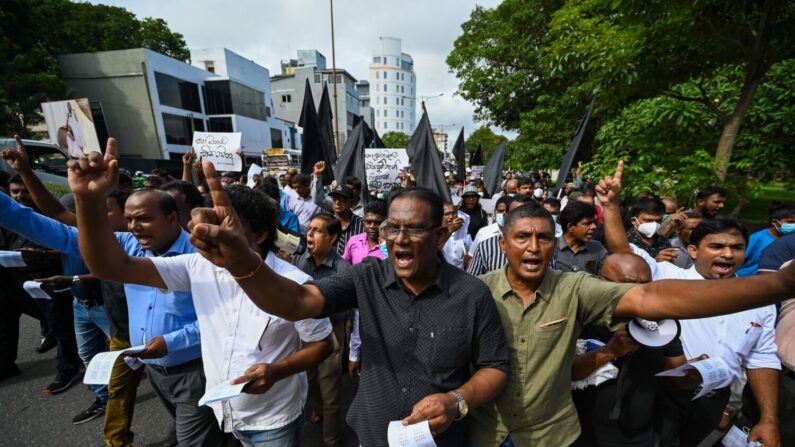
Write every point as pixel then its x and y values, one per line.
pixel 334 78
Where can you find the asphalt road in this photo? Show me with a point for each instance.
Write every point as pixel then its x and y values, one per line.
pixel 28 417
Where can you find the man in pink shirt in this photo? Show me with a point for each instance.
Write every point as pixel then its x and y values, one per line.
pixel 359 247
pixel 367 244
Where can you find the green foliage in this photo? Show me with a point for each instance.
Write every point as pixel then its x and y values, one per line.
pixel 35 33
pixel 486 139
pixel 395 139
pixel 668 74
pixel 57 190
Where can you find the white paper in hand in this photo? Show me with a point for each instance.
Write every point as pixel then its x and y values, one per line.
pixel 253 170
pixel 11 259
pixel 100 368
pixel 735 438
pixel 35 291
pixel 220 392
pixel 221 148
pixel 414 435
pixel 714 373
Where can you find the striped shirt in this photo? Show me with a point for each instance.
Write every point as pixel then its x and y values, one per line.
pixel 355 226
pixel 487 256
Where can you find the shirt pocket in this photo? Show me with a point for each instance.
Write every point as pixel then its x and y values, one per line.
pixel 446 348
pixel 552 328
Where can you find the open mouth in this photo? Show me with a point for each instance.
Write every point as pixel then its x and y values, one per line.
pixel 531 264
pixel 404 259
pixel 144 240
pixel 723 268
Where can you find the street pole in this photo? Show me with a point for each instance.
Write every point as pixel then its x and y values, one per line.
pixel 334 79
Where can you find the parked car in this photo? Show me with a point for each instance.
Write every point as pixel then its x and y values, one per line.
pixel 47 160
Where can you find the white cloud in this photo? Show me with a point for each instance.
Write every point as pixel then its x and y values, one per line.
pixel 270 31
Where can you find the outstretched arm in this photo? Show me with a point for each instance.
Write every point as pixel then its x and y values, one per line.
pixel 218 236
pixel 609 193
pixel 19 161
pixel 91 179
pixel 696 299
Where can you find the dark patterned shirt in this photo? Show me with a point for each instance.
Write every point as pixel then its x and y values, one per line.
pixel 487 257
pixel 355 226
pixel 658 243
pixel 414 346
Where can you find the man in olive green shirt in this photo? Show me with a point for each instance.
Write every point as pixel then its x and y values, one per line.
pixel 543 312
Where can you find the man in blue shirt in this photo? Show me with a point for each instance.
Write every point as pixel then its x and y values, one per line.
pixel 164 322
pixel 781 222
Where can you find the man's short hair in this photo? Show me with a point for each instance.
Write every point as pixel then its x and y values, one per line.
pixel 553 202
pixel 192 195
pixel 525 181
pixel 333 225
pixel 259 210
pixel 522 198
pixel 427 196
pixel 376 207
pixel 269 189
pixel 650 206
pixel 504 199
pixel 165 201
pixel 120 196
pixel 574 213
pixel 707 192
pixel 354 182
pixel 715 226
pixel 300 179
pixel 528 210
pixel 780 210
pixel 690 214
pixel 16 179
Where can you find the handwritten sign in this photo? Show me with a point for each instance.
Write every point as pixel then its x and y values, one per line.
pixel 382 166
pixel 221 148
pixel 477 171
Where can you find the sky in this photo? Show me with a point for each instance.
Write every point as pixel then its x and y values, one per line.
pixel 268 31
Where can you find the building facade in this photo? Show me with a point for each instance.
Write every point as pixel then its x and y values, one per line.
pixel 152 103
pixel 393 88
pixel 365 110
pixel 289 87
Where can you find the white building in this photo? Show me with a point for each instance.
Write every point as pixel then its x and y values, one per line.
pixel 152 103
pixel 393 88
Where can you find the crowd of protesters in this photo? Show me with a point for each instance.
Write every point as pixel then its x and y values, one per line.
pixel 501 320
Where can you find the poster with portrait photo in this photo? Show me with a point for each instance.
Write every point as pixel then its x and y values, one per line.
pixel 71 126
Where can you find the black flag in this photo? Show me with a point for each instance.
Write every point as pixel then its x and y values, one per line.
pixel 312 148
pixel 377 143
pixel 428 170
pixel 460 157
pixel 476 159
pixel 568 159
pixel 325 124
pixel 351 161
pixel 492 173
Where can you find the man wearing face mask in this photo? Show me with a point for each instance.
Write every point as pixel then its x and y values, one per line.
pixel 493 229
pixel 781 222
pixel 647 214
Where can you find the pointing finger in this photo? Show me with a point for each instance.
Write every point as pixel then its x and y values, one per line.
pixel 20 145
pixel 110 150
pixel 220 199
pixel 619 173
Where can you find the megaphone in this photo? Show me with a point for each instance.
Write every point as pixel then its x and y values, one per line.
pixel 654 334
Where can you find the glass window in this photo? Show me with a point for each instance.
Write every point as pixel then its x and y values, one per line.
pixel 385 76
pixel 377 60
pixel 178 129
pixel 377 74
pixel 339 79
pixel 386 100
pixel 378 113
pixel 317 79
pixel 386 113
pixel 222 124
pixel 175 92
pixel 384 87
pixel 385 124
pixel 217 98
pixel 402 89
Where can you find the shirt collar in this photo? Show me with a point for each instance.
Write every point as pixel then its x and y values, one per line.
pixel 180 246
pixel 544 291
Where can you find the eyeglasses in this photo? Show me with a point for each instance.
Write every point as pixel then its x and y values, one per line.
pixel 391 232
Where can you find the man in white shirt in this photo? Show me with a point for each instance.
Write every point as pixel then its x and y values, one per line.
pixel 456 249
pixel 302 203
pixel 742 340
pixel 240 343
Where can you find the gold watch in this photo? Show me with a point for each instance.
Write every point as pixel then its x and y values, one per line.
pixel 463 408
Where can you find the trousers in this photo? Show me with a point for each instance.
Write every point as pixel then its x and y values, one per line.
pixel 325 387
pixel 122 390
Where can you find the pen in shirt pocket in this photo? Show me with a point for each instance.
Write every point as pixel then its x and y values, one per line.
pixel 259 342
pixel 752 325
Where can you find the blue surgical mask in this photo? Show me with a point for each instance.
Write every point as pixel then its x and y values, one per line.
pixel 787 228
pixel 500 219
pixel 384 251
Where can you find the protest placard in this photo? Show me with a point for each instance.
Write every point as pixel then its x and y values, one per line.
pixel 221 148
pixel 382 166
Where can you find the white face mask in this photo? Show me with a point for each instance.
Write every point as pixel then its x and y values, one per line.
pixel 538 192
pixel 648 229
pixel 500 219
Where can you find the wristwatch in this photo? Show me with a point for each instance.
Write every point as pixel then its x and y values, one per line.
pixel 463 408
pixel 76 282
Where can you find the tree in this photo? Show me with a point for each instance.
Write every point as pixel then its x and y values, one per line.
pixel 485 138
pixel 395 139
pixel 35 33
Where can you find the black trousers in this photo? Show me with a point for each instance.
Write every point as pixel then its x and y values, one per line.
pixel 683 422
pixel 59 314
pixel 786 407
pixel 14 302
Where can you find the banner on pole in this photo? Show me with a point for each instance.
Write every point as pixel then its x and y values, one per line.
pixel 71 126
pixel 382 166
pixel 221 148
